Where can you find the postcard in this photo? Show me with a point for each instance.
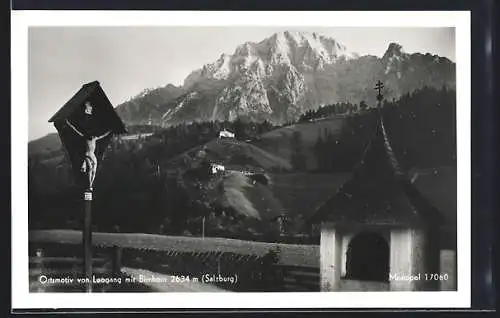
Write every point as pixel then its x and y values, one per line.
pixel 240 159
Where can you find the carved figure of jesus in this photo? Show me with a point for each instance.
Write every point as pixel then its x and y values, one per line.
pixel 89 164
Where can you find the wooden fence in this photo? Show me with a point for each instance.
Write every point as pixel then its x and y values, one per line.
pixel 297 278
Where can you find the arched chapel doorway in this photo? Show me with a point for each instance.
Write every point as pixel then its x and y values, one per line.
pixel 368 258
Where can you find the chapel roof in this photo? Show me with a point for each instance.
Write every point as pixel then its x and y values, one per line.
pixel 378 192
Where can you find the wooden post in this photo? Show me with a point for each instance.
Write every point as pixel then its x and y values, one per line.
pixel 379 85
pixel 218 264
pixel 203 227
pixel 117 260
pixel 40 266
pixel 87 239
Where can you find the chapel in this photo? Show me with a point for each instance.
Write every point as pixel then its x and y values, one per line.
pixel 378 232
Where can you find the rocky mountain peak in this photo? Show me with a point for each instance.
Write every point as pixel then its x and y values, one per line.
pixel 394 50
pixel 394 57
pixel 289 72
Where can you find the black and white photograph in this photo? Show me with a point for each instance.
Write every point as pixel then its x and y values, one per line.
pixel 242 158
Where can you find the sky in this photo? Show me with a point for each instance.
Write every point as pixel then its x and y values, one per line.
pixel 127 60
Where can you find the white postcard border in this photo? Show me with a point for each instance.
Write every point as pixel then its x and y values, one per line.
pixel 21 298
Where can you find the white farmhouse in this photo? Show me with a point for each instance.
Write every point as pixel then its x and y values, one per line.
pixel 226 134
pixel 217 168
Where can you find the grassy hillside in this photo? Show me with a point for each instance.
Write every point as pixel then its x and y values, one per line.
pixel 45 145
pixel 250 198
pixel 302 193
pixel 279 141
pixel 232 152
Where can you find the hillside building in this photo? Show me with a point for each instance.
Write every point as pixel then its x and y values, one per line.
pixel 226 134
pixel 217 168
pixel 134 137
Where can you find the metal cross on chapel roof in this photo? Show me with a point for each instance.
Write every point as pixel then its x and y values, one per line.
pixel 378 86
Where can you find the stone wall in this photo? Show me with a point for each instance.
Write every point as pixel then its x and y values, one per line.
pixel 330 250
pixel 448 266
pixel 400 259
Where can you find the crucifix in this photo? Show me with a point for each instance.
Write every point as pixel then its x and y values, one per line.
pixel 89 163
pixel 85 124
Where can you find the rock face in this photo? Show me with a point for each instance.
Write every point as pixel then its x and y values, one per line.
pixel 149 105
pixel 284 75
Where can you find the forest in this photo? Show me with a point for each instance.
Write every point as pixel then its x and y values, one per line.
pixel 138 189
